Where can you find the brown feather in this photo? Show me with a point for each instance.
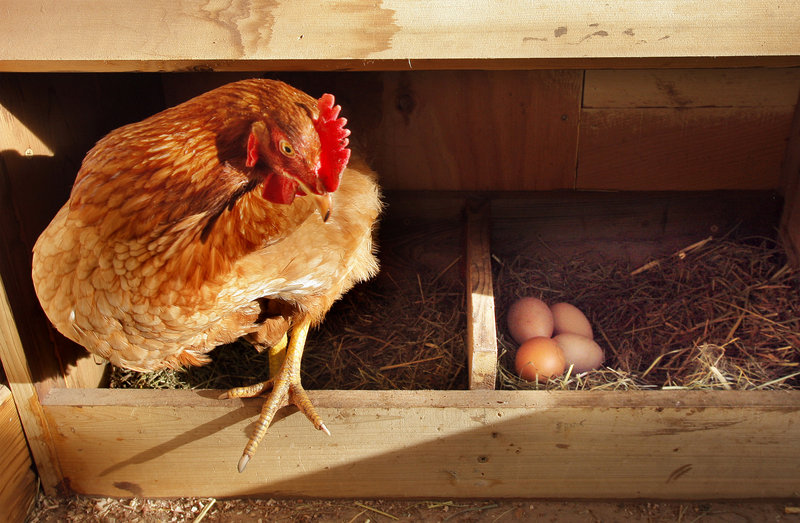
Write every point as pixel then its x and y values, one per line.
pixel 167 247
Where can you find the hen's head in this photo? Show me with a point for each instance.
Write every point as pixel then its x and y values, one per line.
pixel 302 150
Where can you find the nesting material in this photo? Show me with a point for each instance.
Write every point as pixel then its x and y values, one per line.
pixel 403 330
pixel 718 314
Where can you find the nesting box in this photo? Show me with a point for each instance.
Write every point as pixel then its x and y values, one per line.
pixel 614 123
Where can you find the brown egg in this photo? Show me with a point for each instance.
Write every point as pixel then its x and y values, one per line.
pixel 528 318
pixel 539 357
pixel 580 352
pixel 568 318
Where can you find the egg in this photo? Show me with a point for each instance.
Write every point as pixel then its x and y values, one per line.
pixel 539 357
pixel 528 318
pixel 568 318
pixel 580 352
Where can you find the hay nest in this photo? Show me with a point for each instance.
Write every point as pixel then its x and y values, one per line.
pixel 403 330
pixel 718 314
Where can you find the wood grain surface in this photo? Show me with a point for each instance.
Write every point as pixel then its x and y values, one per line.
pixel 281 34
pixel 429 444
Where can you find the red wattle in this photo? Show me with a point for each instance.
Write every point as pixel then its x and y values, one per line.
pixel 279 189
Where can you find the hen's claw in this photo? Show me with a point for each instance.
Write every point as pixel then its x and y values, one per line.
pixel 286 388
pixel 250 391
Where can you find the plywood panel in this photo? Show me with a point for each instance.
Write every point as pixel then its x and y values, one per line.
pixel 682 149
pixel 163 35
pixel 691 88
pixel 476 130
pixel 486 444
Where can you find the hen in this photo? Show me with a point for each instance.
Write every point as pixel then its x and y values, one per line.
pixel 233 214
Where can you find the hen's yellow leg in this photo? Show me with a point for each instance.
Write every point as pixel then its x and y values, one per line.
pixel 285 386
pixel 277 355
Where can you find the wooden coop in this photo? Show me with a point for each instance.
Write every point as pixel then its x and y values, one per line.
pixel 630 128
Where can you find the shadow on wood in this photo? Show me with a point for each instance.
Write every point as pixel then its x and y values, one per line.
pixel 485 444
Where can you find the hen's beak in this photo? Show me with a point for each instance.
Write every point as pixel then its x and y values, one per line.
pixel 321 198
pixel 324 204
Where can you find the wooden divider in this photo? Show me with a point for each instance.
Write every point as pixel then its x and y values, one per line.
pixel 481 329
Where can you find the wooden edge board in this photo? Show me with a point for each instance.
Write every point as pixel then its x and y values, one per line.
pixel 435 444
pixel 481 330
pixel 208 398
pixel 37 430
pixel 172 34
pixel 17 479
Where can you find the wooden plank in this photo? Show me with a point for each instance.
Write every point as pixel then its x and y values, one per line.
pixel 790 180
pixel 682 149
pixel 164 35
pixel 475 130
pixel 30 410
pixel 488 444
pixel 17 479
pixel 691 88
pixel 481 329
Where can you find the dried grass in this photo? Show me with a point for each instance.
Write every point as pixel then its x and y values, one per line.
pixel 718 314
pixel 403 330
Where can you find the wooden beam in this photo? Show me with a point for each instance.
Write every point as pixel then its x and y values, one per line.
pixel 30 410
pixel 487 444
pixel 106 35
pixel 481 328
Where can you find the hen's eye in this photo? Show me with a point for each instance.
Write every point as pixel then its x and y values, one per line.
pixel 286 148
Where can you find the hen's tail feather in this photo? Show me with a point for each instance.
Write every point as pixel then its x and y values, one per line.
pixel 192 358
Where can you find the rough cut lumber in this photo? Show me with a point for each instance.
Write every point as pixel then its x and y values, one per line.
pixel 17 480
pixel 488 444
pixel 48 35
pixel 481 329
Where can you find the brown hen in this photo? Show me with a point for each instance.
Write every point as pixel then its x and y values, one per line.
pixel 232 214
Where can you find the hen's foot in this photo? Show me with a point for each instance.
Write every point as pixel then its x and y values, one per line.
pixel 286 388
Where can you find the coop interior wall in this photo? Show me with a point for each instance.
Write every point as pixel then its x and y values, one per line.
pixel 467 130
pixel 508 131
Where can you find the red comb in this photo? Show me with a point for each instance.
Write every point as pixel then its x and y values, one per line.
pixel 333 140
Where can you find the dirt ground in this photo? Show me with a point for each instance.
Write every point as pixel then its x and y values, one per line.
pixel 88 509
